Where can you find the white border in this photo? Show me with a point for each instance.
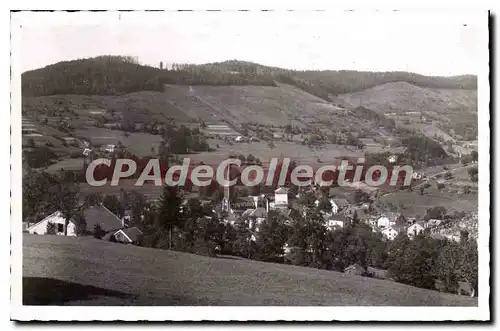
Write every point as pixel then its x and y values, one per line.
pixel 20 312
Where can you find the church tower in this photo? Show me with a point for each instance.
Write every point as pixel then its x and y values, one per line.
pixel 226 200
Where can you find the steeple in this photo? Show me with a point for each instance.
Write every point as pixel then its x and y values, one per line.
pixel 226 200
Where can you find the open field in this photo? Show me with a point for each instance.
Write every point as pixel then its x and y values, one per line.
pixel 301 154
pixel 85 271
pixel 138 143
pixel 412 203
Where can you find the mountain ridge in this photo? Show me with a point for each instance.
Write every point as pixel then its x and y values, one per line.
pixel 111 75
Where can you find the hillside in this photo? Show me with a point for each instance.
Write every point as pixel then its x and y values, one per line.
pixel 403 96
pixel 109 75
pixel 441 112
pixel 84 271
pixel 235 105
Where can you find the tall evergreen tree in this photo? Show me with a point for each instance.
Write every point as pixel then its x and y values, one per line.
pixel 169 214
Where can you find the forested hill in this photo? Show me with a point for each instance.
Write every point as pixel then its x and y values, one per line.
pixel 109 75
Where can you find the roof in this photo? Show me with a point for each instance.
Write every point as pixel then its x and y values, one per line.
pixel 398 227
pixel 132 233
pixel 355 266
pixel 258 212
pixel 247 213
pixel 281 190
pixel 437 236
pixel 102 216
pixel 379 273
pixel 54 214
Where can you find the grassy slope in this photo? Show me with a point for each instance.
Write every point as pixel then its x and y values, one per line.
pixel 402 96
pixel 59 270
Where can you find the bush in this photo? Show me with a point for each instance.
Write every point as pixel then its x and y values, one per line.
pixel 98 231
pixel 440 186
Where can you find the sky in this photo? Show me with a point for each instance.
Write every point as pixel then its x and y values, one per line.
pixel 421 42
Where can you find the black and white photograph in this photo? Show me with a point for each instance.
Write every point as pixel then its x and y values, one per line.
pixel 250 165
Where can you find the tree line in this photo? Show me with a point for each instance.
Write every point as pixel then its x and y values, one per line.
pixel 110 75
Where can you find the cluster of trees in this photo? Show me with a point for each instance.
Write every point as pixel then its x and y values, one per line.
pixel 44 194
pixel 38 156
pixel 473 173
pixel 182 140
pixel 421 149
pixel 107 75
pixel 372 115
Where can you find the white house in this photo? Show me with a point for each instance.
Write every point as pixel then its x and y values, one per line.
pixel 390 233
pixel 281 197
pixel 414 229
pixel 335 208
pixel 383 222
pixel 239 139
pixel 58 220
pixel 108 148
pixel 93 215
pixel 335 223
pixel 392 158
pixel 432 223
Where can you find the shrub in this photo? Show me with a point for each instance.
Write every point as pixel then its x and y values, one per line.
pixel 98 231
pixel 440 186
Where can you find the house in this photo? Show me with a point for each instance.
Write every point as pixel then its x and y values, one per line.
pixel 383 222
pixel 93 215
pixel 392 159
pixel 334 207
pixel 335 222
pixel 86 152
pixel 255 216
pixel 281 197
pixel 414 229
pixel 109 148
pixel 239 139
pixel 128 235
pixel 58 220
pixel 390 233
pixel 355 269
pixel 377 273
pixel 432 223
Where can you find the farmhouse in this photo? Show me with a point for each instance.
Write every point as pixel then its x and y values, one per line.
pixel 93 215
pixel 414 229
pixel 383 222
pixel 281 198
pixel 128 235
pixel 355 269
pixel 335 222
pixel 390 233
pixel 432 223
